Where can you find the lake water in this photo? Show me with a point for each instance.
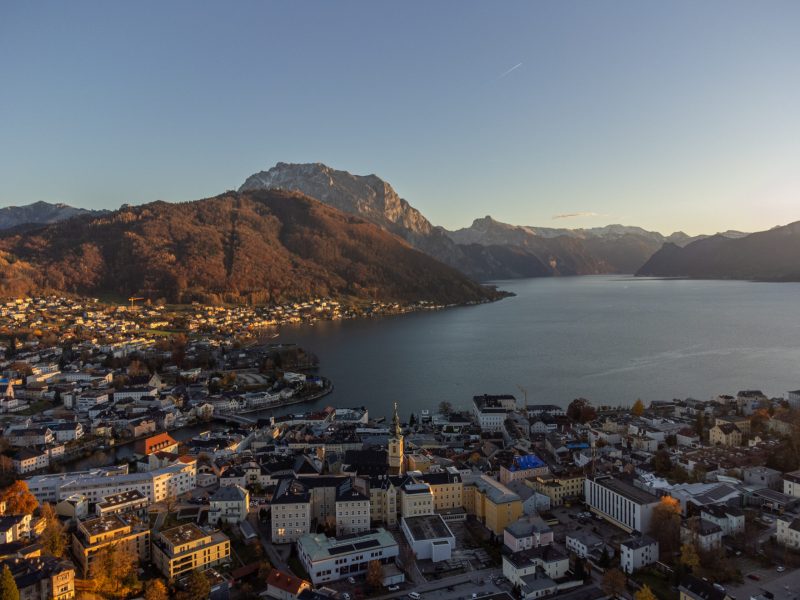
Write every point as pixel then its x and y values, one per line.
pixel 611 339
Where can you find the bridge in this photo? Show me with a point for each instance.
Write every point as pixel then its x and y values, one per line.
pixel 237 419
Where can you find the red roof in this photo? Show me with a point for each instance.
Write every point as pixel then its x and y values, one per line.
pixel 287 582
pixel 154 443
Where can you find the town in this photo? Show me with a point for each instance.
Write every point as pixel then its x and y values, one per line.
pixel 137 461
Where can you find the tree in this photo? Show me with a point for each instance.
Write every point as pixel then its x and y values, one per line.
pixel 662 462
pixel 114 571
pixel 605 558
pixel 8 587
pixel 155 590
pixel 18 499
pixel 665 525
pixel 413 420
pixel 198 587
pixel 580 410
pixel 54 537
pixel 614 582
pixel 374 574
pixel 638 408
pixel 689 557
pixel 700 423
pixel 445 407
pixel 645 594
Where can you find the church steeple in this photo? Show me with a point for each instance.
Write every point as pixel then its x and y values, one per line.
pixel 398 433
pixel 396 456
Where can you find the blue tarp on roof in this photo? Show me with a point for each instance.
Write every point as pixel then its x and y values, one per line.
pixel 528 461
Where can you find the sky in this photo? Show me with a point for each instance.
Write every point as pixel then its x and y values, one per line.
pixel 667 115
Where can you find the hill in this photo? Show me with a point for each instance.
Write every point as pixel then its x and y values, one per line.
pixel 40 213
pixel 772 255
pixel 263 246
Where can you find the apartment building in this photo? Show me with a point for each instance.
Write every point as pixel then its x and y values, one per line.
pixel 352 510
pixel 416 499
pixel 93 535
pixel 229 504
pixel 447 489
pixel 291 511
pixel 492 503
pixel 637 553
pixel 559 487
pixel 185 548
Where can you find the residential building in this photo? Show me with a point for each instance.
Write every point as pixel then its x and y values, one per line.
pixel 788 531
pixel 704 534
pixel 94 535
pixel 42 577
pixel 352 510
pixel 28 460
pixel 285 586
pixel 131 503
pixel 729 518
pixel 526 533
pixel 229 504
pixel 447 488
pixel 583 543
pixel 725 434
pixel 492 503
pixel 185 548
pixel 416 499
pixel 291 511
pixel 331 559
pixel 791 484
pixel 491 411
pixel 523 467
pixel 559 488
pixel 519 565
pixel 637 553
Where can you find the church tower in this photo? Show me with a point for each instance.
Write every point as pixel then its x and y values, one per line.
pixel 396 460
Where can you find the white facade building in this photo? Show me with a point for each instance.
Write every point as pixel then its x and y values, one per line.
pixel 330 559
pixel 637 553
pixel 620 502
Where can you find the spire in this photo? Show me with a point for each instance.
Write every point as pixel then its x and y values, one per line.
pixel 396 423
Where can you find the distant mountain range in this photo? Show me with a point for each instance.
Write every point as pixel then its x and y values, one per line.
pixel 772 255
pixel 306 229
pixel 260 246
pixel 40 213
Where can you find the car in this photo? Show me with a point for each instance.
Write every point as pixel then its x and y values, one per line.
pixel 754 577
pixel 414 595
pixel 351 580
pixel 781 569
pixel 393 588
pixel 345 596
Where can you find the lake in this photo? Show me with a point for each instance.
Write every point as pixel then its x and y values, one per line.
pixel 611 339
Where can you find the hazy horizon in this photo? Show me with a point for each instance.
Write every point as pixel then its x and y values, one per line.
pixel 678 117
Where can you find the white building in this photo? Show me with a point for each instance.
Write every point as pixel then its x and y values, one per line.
pixel 620 502
pixel 519 565
pixel 291 512
pixel 637 553
pixel 491 411
pixel 429 537
pixel 583 543
pixel 788 532
pixel 703 534
pixel 729 519
pixel 229 504
pixel 329 559
pixel 352 510
pixel 526 533
pixel 791 484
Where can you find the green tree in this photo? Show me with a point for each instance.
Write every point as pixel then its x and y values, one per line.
pixel 8 587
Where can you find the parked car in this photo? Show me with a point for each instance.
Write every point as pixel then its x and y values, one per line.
pixel 781 569
pixel 754 577
pixel 414 596
pixel 351 580
pixel 393 588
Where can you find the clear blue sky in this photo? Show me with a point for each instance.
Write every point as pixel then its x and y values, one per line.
pixel 668 115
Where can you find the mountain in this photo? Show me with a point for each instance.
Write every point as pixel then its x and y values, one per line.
pixel 39 213
pixel 772 255
pixel 262 246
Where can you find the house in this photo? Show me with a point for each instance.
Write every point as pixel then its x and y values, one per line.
pixel 42 577
pixel 791 484
pixel 637 553
pixel 229 504
pixel 703 534
pixel 546 559
pixel 68 432
pixel 730 519
pixel 161 442
pixel 526 533
pixel 27 460
pixel 285 586
pixel 788 531
pixel 762 476
pixel 694 588
pixel 583 543
pixel 725 434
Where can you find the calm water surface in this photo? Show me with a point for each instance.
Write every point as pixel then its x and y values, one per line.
pixel 610 339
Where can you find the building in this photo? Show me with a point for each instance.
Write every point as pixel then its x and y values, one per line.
pixel 620 502
pixel 291 511
pixel 416 498
pixel 548 559
pixel 637 553
pixel 42 577
pixel 703 534
pixel 28 460
pixel 762 476
pixel 285 586
pixel 491 411
pixel 447 489
pixel 94 535
pixel 352 509
pixel 741 423
pixel 161 442
pixel 429 537
pixel 185 548
pixel 788 531
pixel 694 588
pixel 791 484
pixel 729 518
pixel 583 543
pixel 229 504
pixel 526 533
pixel 131 503
pixel 523 467
pixel 560 488
pixel 492 503
pixel 396 448
pixel 794 399
pixel 331 559
pixel 725 434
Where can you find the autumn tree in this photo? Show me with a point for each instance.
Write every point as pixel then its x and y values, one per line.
pixel 374 574
pixel 54 537
pixel 197 588
pixel 113 571
pixel 18 499
pixel 645 594
pixel 638 408
pixel 689 557
pixel 8 587
pixel 665 525
pixel 614 582
pixel 156 590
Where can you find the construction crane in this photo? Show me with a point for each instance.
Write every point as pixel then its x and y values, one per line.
pixel 133 300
